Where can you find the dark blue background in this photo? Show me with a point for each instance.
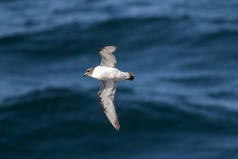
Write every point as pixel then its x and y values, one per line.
pixel 182 104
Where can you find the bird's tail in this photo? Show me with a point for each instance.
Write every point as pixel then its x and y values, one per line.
pixel 131 76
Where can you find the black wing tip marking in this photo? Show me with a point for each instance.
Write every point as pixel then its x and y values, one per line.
pixel 131 76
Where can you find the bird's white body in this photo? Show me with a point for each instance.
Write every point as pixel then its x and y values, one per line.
pixel 109 73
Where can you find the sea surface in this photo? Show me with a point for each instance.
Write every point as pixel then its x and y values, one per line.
pixel 183 103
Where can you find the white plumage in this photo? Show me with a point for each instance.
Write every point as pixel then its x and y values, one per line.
pixel 109 75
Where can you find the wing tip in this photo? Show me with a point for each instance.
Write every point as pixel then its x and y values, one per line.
pixel 116 125
pixel 100 49
pixel 111 48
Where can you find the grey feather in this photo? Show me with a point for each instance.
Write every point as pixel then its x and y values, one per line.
pixel 108 57
pixel 106 97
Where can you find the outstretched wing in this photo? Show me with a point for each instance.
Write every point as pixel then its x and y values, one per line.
pixel 106 97
pixel 108 57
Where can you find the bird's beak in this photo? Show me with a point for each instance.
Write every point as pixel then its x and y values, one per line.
pixel 84 74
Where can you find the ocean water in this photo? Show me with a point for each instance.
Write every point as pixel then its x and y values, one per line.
pixel 183 103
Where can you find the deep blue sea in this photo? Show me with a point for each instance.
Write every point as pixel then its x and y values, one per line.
pixel 183 103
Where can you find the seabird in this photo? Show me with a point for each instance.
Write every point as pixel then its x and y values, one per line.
pixel 109 75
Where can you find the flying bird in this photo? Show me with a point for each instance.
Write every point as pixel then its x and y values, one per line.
pixel 109 75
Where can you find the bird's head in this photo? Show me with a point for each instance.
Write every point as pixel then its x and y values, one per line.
pixel 88 72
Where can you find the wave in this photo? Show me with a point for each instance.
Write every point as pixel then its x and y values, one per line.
pixel 56 107
pixel 222 35
pixel 70 40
